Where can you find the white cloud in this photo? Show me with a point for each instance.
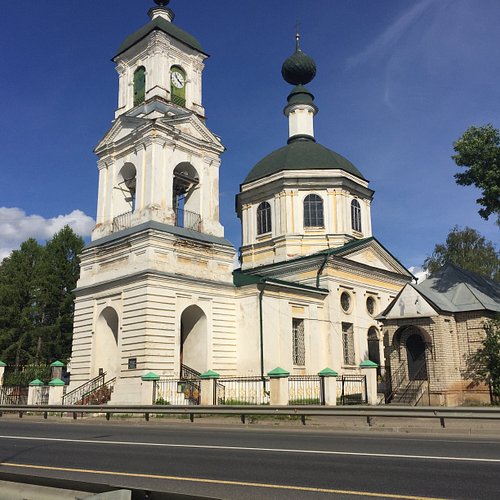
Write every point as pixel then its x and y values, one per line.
pixel 419 273
pixel 386 40
pixel 16 226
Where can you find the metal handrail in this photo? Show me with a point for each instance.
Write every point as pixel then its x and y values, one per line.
pixel 396 381
pixel 188 373
pixel 187 219
pixel 83 390
pixel 122 221
pixel 418 387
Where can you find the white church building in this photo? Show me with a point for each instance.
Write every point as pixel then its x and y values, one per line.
pixel 158 291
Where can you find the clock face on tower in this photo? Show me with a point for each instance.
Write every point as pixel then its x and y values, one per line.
pixel 178 79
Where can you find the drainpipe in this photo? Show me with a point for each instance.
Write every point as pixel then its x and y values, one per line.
pixel 320 270
pixel 261 325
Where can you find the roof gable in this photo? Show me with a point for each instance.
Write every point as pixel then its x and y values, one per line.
pixel 409 303
pixel 371 253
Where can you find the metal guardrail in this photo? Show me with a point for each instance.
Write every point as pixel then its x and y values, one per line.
pixel 442 413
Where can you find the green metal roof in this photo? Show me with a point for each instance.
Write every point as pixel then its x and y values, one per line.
pixel 240 278
pixel 301 95
pixel 301 154
pixel 162 25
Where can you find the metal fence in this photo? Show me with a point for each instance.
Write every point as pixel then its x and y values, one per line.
pixel 351 390
pixel 172 391
pixel 16 395
pixel 304 390
pixel 242 391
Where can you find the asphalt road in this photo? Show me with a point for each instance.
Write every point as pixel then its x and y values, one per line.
pixel 253 462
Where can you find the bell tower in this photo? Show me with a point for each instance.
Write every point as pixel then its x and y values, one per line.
pixel 158 248
pixel 159 162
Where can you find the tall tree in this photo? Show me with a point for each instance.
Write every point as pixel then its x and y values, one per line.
pixel 19 307
pixel 484 364
pixel 479 151
pixel 36 299
pixel 468 249
pixel 59 270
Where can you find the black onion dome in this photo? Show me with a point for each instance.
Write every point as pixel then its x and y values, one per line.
pixel 299 68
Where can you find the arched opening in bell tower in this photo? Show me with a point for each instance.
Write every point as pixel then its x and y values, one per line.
pixel 193 339
pixel 124 196
pixel 106 344
pixel 186 197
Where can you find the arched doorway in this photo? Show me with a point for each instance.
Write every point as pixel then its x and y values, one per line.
pixel 193 348
pixel 415 354
pixel 106 350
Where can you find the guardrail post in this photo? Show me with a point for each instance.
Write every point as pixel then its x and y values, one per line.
pixel 207 388
pixel 33 391
pixel 148 388
pixel 328 381
pixel 278 385
pixel 2 369
pixel 370 371
pixel 56 391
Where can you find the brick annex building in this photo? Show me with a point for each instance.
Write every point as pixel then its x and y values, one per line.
pixel 431 329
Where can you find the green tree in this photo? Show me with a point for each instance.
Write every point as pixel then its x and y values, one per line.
pixel 484 364
pixel 466 248
pixel 19 309
pixel 479 151
pixel 59 272
pixel 36 299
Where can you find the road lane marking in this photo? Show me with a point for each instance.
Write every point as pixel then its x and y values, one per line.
pixel 246 448
pixel 221 482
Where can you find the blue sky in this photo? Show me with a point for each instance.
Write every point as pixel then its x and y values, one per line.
pixel 397 83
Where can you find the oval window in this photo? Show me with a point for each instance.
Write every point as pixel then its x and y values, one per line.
pixel 345 301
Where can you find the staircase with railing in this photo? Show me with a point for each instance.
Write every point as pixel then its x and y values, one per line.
pixel 412 392
pixel 394 381
pixel 96 391
pixel 191 379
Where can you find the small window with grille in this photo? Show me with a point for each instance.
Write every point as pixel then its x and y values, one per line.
pixel 264 218
pixel 313 211
pixel 298 341
pixel 348 343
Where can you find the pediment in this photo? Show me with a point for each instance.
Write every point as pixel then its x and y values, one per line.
pixel 190 125
pixel 186 125
pixel 410 303
pixel 121 128
pixel 372 253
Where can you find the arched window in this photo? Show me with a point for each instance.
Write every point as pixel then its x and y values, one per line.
pixel 264 218
pixel 356 216
pixel 139 85
pixel 178 85
pixel 313 211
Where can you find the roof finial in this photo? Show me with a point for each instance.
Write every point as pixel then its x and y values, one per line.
pixel 297 36
pixel 162 3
